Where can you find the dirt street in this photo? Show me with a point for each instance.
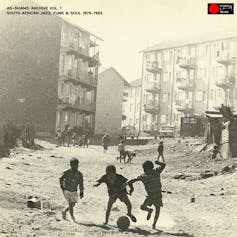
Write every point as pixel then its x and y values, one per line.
pixel 37 173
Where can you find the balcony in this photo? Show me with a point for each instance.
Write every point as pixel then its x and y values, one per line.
pixel 93 60
pixel 226 83
pixel 184 84
pixel 225 59
pixel 154 67
pixel 154 89
pixel 87 80
pixel 184 107
pixel 187 63
pixel 64 104
pixel 71 76
pixel 152 108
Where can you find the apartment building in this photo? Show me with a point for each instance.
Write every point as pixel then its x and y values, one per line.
pixel 78 73
pixel 132 104
pixel 49 71
pixel 110 89
pixel 185 77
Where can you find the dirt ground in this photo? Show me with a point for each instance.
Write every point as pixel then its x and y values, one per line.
pixel 37 173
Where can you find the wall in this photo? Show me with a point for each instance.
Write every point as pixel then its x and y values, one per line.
pixel 109 98
pixel 29 57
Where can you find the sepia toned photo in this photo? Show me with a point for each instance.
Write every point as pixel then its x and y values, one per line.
pixel 118 118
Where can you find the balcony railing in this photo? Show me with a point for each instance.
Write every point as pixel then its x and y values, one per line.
pixel 151 108
pixel 225 58
pixel 154 67
pixel 184 84
pixel 92 59
pixel 153 89
pixel 187 62
pixel 64 104
pixel 226 82
pixel 184 106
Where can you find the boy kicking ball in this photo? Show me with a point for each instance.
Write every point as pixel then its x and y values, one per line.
pixel 69 182
pixel 152 183
pixel 116 190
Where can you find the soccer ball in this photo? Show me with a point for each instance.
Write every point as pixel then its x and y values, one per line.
pixel 123 222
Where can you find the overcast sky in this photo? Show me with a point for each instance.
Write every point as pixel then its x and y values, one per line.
pixel 128 26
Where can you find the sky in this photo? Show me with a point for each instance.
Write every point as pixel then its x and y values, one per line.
pixel 129 26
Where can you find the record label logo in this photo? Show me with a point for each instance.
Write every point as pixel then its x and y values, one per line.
pixel 220 8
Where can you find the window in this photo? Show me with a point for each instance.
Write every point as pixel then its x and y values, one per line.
pixel 166 56
pixel 220 93
pixel 149 77
pixel 201 51
pixel 211 95
pixel 62 89
pixel 163 118
pixel 165 77
pixel 131 107
pixel 214 49
pixel 66 117
pixel 138 107
pixel 138 92
pixel 199 96
pixel 70 62
pixel 63 62
pixel 192 52
pixel 165 97
pixel 130 122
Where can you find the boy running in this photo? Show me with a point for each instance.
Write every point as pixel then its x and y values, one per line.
pixel 69 182
pixel 116 190
pixel 151 181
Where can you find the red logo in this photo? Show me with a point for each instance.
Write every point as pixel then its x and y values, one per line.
pixel 213 8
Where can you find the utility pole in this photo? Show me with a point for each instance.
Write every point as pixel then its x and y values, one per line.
pixel 141 97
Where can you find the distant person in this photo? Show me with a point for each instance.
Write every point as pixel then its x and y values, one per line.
pixel 122 151
pixel 69 136
pixel 86 140
pixel 215 152
pixel 116 190
pixel 105 142
pixel 32 136
pixel 152 183
pixel 69 182
pixel 161 152
pixel 58 137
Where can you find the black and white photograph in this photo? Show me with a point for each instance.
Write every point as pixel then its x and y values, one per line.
pixel 118 118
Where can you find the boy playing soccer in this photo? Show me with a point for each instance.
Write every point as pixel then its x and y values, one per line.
pixel 151 181
pixel 69 181
pixel 116 190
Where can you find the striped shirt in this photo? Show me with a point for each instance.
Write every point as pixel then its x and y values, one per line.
pixel 152 181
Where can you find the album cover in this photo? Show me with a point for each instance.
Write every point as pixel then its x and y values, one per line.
pixel 118 118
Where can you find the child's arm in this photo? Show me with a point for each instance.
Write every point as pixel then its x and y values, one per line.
pixel 162 165
pixel 99 182
pixel 81 187
pixel 61 181
pixel 131 189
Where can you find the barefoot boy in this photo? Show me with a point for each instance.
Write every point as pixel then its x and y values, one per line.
pixel 151 181
pixel 116 190
pixel 69 182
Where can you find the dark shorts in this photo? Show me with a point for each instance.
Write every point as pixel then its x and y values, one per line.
pixel 153 200
pixel 122 197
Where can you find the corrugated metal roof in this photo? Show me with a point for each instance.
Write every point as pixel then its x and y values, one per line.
pixel 179 42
